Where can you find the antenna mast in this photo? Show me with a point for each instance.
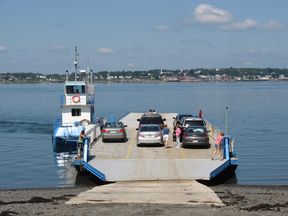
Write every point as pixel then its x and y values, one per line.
pixel 87 72
pixel 75 64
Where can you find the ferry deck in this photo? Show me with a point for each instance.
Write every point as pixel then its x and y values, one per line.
pixel 124 161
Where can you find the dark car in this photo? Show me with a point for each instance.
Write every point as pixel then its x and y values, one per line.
pixel 189 121
pixel 194 136
pixel 152 119
pixel 178 118
pixel 114 130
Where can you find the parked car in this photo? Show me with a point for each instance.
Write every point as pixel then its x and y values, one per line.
pixel 151 119
pixel 190 121
pixel 178 118
pixel 195 135
pixel 149 134
pixel 114 130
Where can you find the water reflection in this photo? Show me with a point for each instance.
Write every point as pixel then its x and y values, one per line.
pixel 64 158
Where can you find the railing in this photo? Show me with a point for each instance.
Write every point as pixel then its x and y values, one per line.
pixel 93 133
pixel 84 100
pixel 227 143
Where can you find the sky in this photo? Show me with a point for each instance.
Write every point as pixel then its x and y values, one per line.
pixel 40 36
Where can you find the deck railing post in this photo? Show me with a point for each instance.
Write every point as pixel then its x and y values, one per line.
pixel 226 148
pixel 85 150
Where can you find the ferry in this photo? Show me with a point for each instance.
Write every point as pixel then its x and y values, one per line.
pixel 77 106
pixel 125 161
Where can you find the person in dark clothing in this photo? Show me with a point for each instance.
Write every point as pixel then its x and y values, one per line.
pixel 100 122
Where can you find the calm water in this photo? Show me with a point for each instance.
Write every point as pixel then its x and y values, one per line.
pixel 257 120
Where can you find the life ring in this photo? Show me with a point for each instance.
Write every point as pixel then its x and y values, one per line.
pixel 84 120
pixel 76 101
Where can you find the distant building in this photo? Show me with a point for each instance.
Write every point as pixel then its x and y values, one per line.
pixel 143 77
pixel 169 79
pixel 186 78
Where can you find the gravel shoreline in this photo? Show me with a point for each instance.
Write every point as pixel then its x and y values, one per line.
pixel 239 200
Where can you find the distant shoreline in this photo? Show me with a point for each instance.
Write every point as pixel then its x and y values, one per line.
pixel 148 81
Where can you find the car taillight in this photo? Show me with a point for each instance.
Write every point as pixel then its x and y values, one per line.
pixel 163 126
pixel 157 135
pixel 121 131
pixel 139 126
pixel 205 135
pixel 105 131
pixel 184 135
pixel 140 135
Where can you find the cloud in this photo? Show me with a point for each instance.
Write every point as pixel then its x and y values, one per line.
pixel 3 49
pixel 208 14
pixel 59 49
pixel 105 50
pixel 251 24
pixel 224 20
pixel 258 52
pixel 248 24
pixel 162 28
pixel 273 25
pixel 131 64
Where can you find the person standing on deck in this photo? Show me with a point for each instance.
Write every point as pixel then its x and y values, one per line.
pixel 154 112
pixel 178 132
pixel 100 122
pixel 218 145
pixel 150 111
pixel 200 114
pixel 80 144
pixel 165 134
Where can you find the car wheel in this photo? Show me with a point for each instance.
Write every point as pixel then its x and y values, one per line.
pixel 103 140
pixel 124 139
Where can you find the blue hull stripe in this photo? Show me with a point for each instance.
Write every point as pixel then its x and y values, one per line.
pixel 219 169
pixel 94 171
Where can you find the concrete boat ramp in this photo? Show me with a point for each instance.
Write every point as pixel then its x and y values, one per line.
pixel 124 161
pixel 185 192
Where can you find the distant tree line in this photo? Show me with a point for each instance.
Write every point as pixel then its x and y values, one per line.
pixel 155 74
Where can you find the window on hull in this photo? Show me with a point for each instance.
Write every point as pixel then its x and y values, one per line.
pixel 76 112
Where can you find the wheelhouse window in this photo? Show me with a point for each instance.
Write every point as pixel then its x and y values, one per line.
pixel 76 112
pixel 76 89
